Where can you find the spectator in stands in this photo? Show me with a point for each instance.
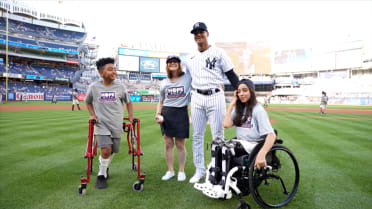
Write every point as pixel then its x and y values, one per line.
pixel 75 100
pixel 323 103
pixel 172 115
pixel 104 102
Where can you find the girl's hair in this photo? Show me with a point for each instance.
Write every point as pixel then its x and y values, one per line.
pixel 179 71
pixel 240 115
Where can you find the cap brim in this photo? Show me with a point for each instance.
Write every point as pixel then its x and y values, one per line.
pixel 193 31
pixel 173 58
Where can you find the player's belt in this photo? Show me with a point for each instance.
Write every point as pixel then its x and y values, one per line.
pixel 208 91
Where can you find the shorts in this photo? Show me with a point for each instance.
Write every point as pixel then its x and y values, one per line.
pixel 106 140
pixel 176 122
pixel 323 106
pixel 75 101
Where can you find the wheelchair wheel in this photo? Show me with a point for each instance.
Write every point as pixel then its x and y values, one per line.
pixel 275 186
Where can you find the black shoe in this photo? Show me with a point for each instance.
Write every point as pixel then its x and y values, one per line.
pixel 101 182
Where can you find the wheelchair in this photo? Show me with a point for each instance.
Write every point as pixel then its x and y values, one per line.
pixel 232 170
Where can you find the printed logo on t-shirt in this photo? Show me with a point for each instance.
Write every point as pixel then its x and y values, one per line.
pixel 175 92
pixel 107 96
pixel 248 123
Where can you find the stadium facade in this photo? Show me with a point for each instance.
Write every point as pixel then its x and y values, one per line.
pixel 43 54
pixel 39 53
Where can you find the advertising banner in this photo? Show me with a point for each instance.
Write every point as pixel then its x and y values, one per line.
pixel 81 97
pixel 148 64
pixel 63 97
pixel 29 96
pixel 11 96
pixel 135 98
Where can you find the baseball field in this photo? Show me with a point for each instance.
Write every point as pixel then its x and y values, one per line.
pixel 42 147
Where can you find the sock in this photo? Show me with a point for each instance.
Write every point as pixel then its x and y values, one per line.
pixel 111 157
pixel 103 164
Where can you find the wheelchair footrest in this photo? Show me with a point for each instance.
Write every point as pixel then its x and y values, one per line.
pixel 213 191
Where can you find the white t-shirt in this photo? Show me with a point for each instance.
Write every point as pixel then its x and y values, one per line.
pixel 255 127
pixel 108 104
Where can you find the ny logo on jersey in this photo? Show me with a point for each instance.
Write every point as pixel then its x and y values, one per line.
pixel 210 64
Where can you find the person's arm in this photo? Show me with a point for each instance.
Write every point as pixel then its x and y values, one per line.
pixel 227 121
pixel 91 111
pixel 261 156
pixel 130 111
pixel 233 78
pixel 158 111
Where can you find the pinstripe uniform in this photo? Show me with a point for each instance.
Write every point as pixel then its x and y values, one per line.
pixel 207 70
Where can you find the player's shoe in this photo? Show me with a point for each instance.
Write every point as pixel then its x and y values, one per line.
pixel 181 176
pixel 196 178
pixel 168 175
pixel 101 182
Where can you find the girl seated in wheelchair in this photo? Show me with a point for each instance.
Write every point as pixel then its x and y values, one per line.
pixel 252 127
pixel 250 120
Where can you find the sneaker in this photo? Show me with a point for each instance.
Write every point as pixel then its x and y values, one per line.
pixel 181 176
pixel 101 182
pixel 168 175
pixel 196 178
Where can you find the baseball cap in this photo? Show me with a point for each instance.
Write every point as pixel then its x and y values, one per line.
pixel 173 57
pixel 247 82
pixel 199 26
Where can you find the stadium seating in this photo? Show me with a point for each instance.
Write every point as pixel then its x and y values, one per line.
pixel 25 29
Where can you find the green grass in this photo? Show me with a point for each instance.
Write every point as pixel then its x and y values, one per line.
pixel 41 163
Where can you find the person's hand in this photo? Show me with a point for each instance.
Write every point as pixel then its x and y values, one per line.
pixel 94 117
pixel 260 161
pixel 159 118
pixel 130 119
pixel 235 98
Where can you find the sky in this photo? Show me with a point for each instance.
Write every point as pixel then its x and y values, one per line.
pixel 166 25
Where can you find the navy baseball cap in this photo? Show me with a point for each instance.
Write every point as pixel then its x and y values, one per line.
pixel 173 57
pixel 247 82
pixel 199 26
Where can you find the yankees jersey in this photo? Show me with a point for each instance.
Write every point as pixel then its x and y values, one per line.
pixel 207 68
pixel 108 106
pixel 255 127
pixel 177 93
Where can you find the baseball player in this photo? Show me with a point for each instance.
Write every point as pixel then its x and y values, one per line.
pixel 75 100
pixel 207 68
pixel 104 101
pixel 323 103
